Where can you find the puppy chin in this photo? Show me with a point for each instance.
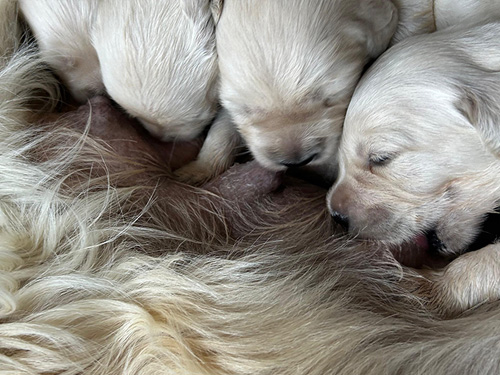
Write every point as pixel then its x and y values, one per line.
pixel 446 237
pixel 267 163
pixel 167 133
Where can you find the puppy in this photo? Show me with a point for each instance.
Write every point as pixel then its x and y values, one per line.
pixel 419 158
pixel 156 59
pixel 287 71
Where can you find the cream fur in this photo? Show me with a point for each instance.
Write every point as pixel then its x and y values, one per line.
pixel 155 58
pixel 420 146
pixel 102 277
pixel 426 16
pixel 80 294
pixel 287 91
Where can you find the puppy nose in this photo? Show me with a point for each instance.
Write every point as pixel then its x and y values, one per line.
pixel 300 163
pixel 341 220
pixel 341 198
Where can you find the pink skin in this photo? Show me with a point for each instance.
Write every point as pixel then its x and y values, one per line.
pixel 260 194
pixel 126 136
pixel 416 254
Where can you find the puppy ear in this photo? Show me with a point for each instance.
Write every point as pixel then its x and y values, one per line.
pixel 379 19
pixel 482 113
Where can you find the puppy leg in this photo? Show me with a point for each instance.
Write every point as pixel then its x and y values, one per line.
pixel 217 153
pixel 470 280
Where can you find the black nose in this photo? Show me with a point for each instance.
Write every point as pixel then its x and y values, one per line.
pixel 301 163
pixel 341 220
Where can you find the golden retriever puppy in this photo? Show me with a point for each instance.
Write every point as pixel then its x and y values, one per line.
pixel 156 59
pixel 63 33
pixel 287 71
pixel 419 157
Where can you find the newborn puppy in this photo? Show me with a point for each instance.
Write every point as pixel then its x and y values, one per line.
pixel 419 157
pixel 156 59
pixel 288 69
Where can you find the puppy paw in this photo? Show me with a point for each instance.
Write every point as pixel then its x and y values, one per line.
pixel 469 281
pixel 217 153
pixel 197 172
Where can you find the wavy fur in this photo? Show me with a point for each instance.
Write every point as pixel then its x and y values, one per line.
pixel 100 276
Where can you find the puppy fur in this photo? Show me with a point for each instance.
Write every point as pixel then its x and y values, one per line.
pixel 288 69
pixel 420 152
pixel 156 59
pixel 426 16
pixel 82 292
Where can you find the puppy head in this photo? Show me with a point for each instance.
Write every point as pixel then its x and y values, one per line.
pixel 158 62
pixel 288 70
pixel 413 168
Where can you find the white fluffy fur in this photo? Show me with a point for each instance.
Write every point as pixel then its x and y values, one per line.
pixel 420 147
pixel 155 58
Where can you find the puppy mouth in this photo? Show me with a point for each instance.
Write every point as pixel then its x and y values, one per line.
pixel 430 242
pixel 489 233
pixel 427 249
pixel 300 163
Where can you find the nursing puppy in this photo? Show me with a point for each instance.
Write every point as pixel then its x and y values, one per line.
pixel 288 69
pixel 156 59
pixel 419 157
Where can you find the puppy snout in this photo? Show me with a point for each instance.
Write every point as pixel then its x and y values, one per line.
pixel 338 203
pixel 294 154
pixel 297 162
pixel 341 220
pixel 358 213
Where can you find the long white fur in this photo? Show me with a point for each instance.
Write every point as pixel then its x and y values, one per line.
pixel 82 297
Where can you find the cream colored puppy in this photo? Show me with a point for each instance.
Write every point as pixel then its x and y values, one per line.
pixel 420 155
pixel 288 69
pixel 155 58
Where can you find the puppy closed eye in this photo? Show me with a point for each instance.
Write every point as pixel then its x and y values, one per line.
pixel 380 160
